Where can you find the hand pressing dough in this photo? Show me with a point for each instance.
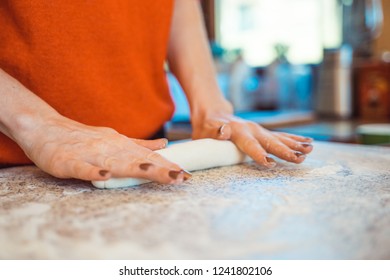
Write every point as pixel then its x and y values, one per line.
pixel 192 155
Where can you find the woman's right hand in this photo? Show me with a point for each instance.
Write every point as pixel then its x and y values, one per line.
pixel 68 149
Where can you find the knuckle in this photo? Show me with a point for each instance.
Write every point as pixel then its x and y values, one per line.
pixel 109 161
pixel 253 125
pixel 57 160
pixel 266 144
pixel 152 156
pixel 248 142
pixel 235 125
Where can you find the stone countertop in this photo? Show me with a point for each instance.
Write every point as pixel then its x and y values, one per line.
pixel 336 205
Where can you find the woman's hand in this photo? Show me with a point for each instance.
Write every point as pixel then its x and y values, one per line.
pixel 252 139
pixel 68 149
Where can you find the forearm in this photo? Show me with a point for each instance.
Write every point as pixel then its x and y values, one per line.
pixel 22 111
pixel 191 62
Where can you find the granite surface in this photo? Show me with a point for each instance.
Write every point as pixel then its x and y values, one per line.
pixel 336 205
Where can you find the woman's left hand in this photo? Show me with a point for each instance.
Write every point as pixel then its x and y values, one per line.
pixel 253 139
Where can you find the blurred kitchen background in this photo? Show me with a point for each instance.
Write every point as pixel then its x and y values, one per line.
pixel 319 68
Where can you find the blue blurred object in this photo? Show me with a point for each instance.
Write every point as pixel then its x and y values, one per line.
pixel 302 87
pixel 182 109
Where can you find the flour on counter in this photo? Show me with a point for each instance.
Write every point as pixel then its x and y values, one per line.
pixel 331 169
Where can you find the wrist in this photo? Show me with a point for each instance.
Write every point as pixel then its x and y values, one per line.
pixel 29 127
pixel 211 109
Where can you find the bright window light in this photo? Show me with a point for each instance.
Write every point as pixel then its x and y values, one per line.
pixel 256 26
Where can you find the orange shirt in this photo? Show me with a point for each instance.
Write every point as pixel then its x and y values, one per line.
pixel 97 62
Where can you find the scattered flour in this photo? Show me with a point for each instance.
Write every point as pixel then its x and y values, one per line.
pixel 326 170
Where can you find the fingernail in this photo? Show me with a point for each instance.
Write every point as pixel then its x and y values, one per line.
pixel 103 172
pixel 175 174
pixel 271 162
pixel 308 139
pixel 187 175
pixel 299 155
pixel 145 166
pixel 306 145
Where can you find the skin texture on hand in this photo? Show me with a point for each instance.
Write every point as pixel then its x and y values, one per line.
pixel 68 149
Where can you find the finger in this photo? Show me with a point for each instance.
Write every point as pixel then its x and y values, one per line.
pixel 295 145
pixel 153 172
pixel 296 137
pixel 250 146
pixel 164 166
pixel 153 145
pixel 78 169
pixel 145 164
pixel 274 146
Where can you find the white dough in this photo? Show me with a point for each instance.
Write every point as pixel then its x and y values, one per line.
pixel 191 156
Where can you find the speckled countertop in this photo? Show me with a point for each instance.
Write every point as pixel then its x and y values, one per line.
pixel 336 205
